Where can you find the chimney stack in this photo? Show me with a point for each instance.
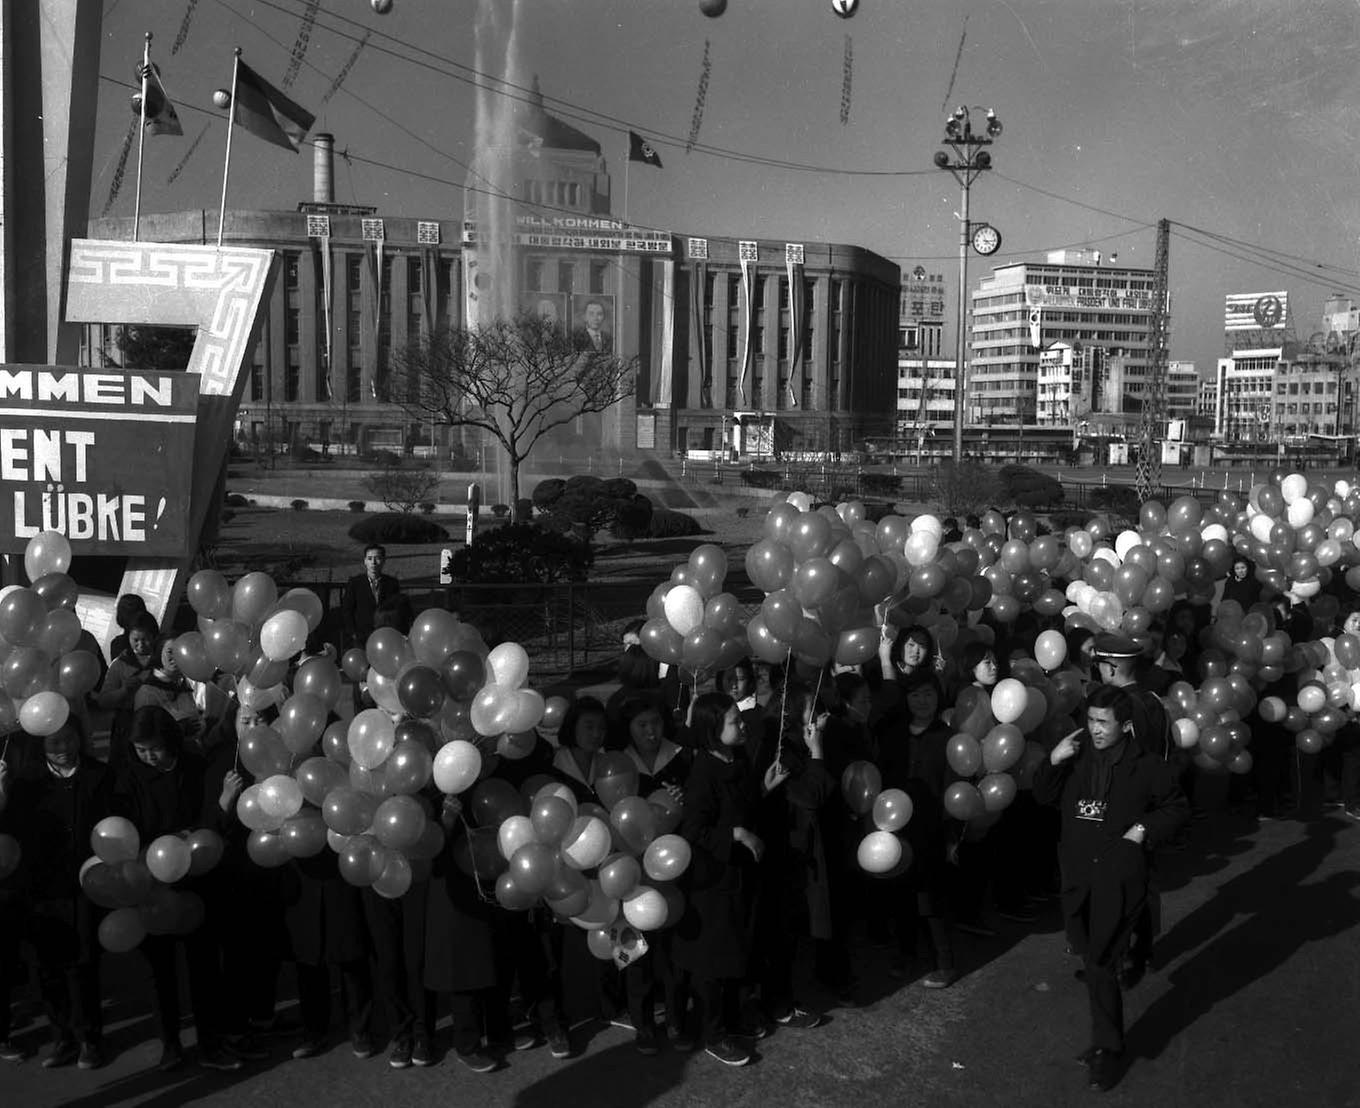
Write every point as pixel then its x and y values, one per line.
pixel 323 189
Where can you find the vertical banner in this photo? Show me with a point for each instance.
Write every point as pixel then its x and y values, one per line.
pixel 747 253
pixel 662 386
pixel 1036 320
pixel 697 253
pixel 793 265
pixel 428 272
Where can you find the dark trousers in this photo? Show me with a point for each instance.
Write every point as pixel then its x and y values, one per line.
pixel 205 986
pixel 1348 742
pixel 533 963
pixel 1270 752
pixel 651 978
pixel 915 917
pixel 482 1012
pixel 356 990
pixel 248 920
pixel 1101 970
pixel 719 1002
pixel 70 994
pixel 397 930
pixel 68 983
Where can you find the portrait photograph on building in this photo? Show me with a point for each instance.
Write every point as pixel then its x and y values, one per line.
pixel 592 322
pixel 551 306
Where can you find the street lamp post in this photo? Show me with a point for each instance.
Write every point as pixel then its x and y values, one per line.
pixel 969 161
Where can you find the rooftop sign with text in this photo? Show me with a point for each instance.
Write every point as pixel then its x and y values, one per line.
pixel 103 456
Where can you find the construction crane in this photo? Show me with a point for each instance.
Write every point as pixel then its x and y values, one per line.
pixel 1148 472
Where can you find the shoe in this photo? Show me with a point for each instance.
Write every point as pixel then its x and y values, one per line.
pixel 310 1047
pixel 899 969
pixel 421 1054
pixel 246 1047
pixel 801 1018
pixel 729 1052
pixel 64 1053
pixel 525 1038
pixel 478 1061
pixel 622 1020
pixel 559 1045
pixel 274 1025
pixel 400 1057
pixel 363 1047
pixel 682 1040
pixel 91 1057
pixel 10 1051
pixel 1018 914
pixel 172 1057
pixel 645 1042
pixel 217 1058
pixel 976 927
pixel 1104 1066
pixel 939 979
pixel 1352 810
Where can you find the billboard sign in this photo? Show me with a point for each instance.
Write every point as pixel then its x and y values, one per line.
pixel 105 457
pixel 1066 296
pixel 579 232
pixel 1253 311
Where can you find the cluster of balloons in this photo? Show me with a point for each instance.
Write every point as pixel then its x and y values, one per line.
pixel 138 885
pixel 604 867
pixel 40 668
pixel 691 621
pixel 882 851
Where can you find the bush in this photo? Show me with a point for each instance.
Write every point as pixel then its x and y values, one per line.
pixel 525 509
pixel 396 527
pixel 427 506
pixel 762 478
pixel 402 489
pixel 522 552
pixel 380 458
pixel 356 505
pixel 1067 517
pixel 549 492
pixel 632 519
pixel 301 452
pixel 236 500
pixel 1028 488
pixel 667 523
pixel 967 489
pixel 459 464
pixel 1120 499
pixel 298 505
pixel 500 511
pixel 881 485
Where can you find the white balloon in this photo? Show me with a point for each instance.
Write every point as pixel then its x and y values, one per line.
pixel 508 665
pixel 930 524
pixel 684 608
pixel 1294 488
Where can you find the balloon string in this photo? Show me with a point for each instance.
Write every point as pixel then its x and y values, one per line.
pixel 472 858
pixel 783 704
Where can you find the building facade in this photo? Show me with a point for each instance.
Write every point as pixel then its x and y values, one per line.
pixel 747 346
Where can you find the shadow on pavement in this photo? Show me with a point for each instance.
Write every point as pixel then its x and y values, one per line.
pixel 616 1076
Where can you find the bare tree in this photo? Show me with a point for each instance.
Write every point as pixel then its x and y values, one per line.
pixel 515 379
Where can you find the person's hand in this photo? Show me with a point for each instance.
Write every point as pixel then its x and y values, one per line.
pixel 232 784
pixel 1136 834
pixel 813 731
pixel 1066 749
pixel 951 854
pixel 775 775
pixel 749 841
pixel 4 775
pixel 449 812
pixel 676 793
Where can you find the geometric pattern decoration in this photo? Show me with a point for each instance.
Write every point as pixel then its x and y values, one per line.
pixel 220 291
pixel 427 232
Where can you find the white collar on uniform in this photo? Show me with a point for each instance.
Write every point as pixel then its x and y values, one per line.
pixel 664 756
pixel 748 704
pixel 566 762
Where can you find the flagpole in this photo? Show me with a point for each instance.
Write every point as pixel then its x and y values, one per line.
pixel 226 168
pixel 141 138
pixel 625 185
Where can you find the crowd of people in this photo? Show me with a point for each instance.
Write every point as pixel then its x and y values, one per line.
pixel 754 759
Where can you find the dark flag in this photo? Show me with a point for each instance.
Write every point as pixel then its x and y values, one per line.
pixel 267 113
pixel 640 150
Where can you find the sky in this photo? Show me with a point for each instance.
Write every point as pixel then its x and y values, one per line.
pixel 1236 119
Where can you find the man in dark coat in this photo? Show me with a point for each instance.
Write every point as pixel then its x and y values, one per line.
pixel 1117 803
pixel 367 592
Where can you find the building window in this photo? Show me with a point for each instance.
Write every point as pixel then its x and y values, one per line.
pixel 353 327
pixel 384 319
pixel 533 274
pixel 758 287
pixel 565 277
pixel 597 276
pixel 293 375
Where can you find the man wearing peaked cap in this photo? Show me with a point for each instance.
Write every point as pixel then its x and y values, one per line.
pixel 1116 648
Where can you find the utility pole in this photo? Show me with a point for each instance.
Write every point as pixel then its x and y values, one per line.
pixel 1149 470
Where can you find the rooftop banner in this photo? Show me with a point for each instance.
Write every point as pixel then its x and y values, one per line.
pixel 103 456
pixel 1248 311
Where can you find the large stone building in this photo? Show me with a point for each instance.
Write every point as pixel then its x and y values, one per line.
pixel 744 346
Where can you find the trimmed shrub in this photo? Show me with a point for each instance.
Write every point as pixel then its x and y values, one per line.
pixel 500 511
pixel 632 518
pixel 525 509
pixel 236 500
pixel 1115 498
pixel 667 523
pixel 396 527
pixel 402 489
pixel 356 505
pixel 549 492
pixel 298 505
pixel 519 553
pixel 881 485
pixel 1067 517
pixel 427 506
pixel 1028 488
pixel 966 489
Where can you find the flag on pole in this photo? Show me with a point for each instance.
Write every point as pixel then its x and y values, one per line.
pixel 640 150
pixel 267 113
pixel 161 117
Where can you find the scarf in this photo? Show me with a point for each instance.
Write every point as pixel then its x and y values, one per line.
pixel 1102 769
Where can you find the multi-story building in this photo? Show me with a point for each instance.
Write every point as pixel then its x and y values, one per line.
pixel 1206 407
pixel 1245 395
pixel 1025 307
pixel 1182 390
pixel 744 345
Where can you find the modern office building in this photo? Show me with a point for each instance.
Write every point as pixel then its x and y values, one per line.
pixel 1182 390
pixel 742 345
pixel 1026 307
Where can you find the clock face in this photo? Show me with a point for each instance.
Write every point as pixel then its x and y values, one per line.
pixel 986 239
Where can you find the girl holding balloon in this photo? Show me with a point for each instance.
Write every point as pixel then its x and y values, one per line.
pixel 168 688
pixel 127 672
pixel 713 940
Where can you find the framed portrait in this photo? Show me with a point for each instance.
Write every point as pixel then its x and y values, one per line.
pixel 592 322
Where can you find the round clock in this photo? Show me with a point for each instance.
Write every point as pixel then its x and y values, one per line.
pixel 986 239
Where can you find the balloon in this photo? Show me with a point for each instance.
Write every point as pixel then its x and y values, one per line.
pixel 511 897
pixel 457 765
pixel 963 801
pixel 997 791
pixel 77 674
pixel 263 753
pixel 303 835
pixel 47 552
pixel 1002 748
pixel 205 850
pixel 318 677
pixel 494 800
pixel 861 783
pixel 301 722
pixel 601 911
pixel 115 839
pixel 168 858
pixel 666 857
pixel 399 822
pixel 508 665
pixel 769 565
pixel 1050 649
pixel 280 796
pixel 283 635
pixel 587 843
pixel 266 849
pixel 512 834
pixel 531 867
pixel 554 712
pixel 335 742
pixel 354 664
pixel 964 754
pixel 209 594
pixel 59 633
pixel 371 737
pixel 363 860
pixel 619 876
pixel 44 713
pixel 892 809
pixel 645 909
pixel 879 852
pixel 634 822
pixel 421 691
pixel 616 778
pixel 551 817
pixel 347 811
pixel 252 597
pixel 395 879
pixel 22 613
pixel 121 930
pixel 1008 700
pixel 387 651
pixel 434 636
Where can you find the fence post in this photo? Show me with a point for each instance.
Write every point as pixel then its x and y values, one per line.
pixel 571 627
